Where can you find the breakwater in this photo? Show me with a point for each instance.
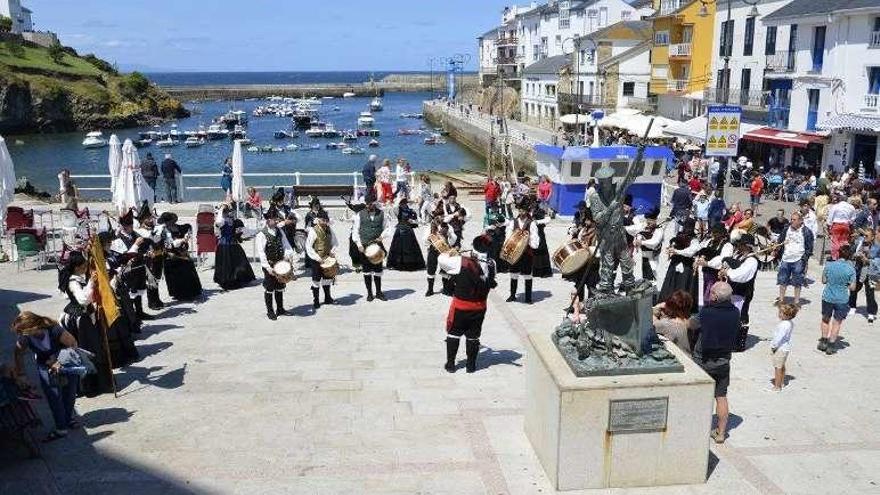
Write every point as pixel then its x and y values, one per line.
pixel 475 131
pixel 404 83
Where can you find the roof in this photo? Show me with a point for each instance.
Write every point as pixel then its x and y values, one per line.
pixel 549 65
pixel 851 122
pixel 624 30
pixel 626 55
pixel 489 34
pixel 642 4
pixel 553 8
pixel 801 8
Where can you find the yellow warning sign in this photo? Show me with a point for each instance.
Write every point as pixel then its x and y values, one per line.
pixel 734 124
pixel 713 124
pixel 722 130
pixel 723 126
pixel 712 141
pixel 721 141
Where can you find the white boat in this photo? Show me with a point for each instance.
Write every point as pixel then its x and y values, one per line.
pixel 366 119
pixel 373 143
pixel 292 147
pixel 216 131
pixel 145 142
pixel 166 143
pixel 94 139
pixel 330 131
pixel 245 141
pixel 348 94
pixel 353 150
pixel 193 142
pixel 376 104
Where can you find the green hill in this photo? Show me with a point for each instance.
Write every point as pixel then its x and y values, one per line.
pixel 45 92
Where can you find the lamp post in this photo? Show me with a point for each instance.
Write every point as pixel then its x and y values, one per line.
pixel 577 76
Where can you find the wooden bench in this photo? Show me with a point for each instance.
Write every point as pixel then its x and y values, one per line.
pixel 320 191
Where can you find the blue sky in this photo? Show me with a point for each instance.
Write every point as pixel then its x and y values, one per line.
pixel 270 35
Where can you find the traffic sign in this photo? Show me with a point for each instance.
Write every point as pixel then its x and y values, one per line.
pixel 722 130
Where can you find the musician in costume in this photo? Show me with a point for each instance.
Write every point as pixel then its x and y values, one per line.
pixel 474 278
pixel 680 273
pixel 541 267
pixel 439 236
pixel 740 271
pixel 589 272
pixel 129 248
pixel 272 247
pixel 367 230
pixel 315 208
pixel 232 268
pixel 289 221
pixel 357 257
pixel 320 244
pixel 117 269
pixel 522 229
pixel 495 228
pixel 649 240
pixel 405 254
pixel 455 215
pixel 154 258
pixel 181 276
pixel 711 256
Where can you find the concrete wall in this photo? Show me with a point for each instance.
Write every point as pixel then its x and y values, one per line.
pixel 42 38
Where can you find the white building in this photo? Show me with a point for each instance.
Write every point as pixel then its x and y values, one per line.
pixel 21 16
pixel 539 90
pixel 833 79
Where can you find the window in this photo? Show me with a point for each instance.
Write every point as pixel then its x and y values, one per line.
pixel 725 46
pixel 874 80
pixel 770 41
pixel 722 85
pixel 745 84
pixel 591 56
pixel 576 169
pixel 558 40
pixel 592 88
pixel 592 13
pixel 625 15
pixel 818 48
pixel 813 110
pixel 564 23
pixel 583 56
pixel 629 89
pixel 661 38
pixel 603 16
pixel 750 36
pixel 657 167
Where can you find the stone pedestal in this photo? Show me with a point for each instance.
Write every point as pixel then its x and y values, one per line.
pixel 617 431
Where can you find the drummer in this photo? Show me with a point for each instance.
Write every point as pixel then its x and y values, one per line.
pixel 438 228
pixel 649 240
pixel 367 230
pixel 320 244
pixel 523 266
pixel 273 247
pixel 455 215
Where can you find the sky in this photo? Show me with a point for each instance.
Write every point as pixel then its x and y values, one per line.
pixel 269 35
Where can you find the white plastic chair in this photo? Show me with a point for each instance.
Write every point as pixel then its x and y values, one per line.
pixel 69 225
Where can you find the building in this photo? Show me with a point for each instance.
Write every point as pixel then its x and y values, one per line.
pixel 488 56
pixel 539 90
pixel 828 79
pixel 21 16
pixel 612 68
pixel 680 69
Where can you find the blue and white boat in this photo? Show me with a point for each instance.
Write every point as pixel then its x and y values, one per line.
pixel 569 170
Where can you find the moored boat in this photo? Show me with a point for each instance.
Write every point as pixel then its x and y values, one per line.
pixel 94 139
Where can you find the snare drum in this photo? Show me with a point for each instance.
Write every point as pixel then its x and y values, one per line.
pixel 283 272
pixel 571 257
pixel 374 254
pixel 329 267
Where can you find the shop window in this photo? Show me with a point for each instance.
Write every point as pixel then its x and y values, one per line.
pixel 576 169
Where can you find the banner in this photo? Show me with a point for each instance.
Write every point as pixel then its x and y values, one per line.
pixel 722 130
pixel 106 298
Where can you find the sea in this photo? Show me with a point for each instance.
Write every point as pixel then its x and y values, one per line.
pixel 39 157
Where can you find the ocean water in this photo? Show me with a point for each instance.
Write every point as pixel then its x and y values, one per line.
pixel 40 157
pixel 221 78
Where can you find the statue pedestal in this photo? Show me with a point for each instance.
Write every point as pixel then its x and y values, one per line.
pixel 617 431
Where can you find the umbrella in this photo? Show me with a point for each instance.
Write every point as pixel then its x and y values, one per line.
pixel 114 163
pixel 132 189
pixel 576 119
pixel 7 179
pixel 237 173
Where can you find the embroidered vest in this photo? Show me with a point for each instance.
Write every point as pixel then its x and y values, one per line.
pixel 370 226
pixel 274 246
pixel 322 240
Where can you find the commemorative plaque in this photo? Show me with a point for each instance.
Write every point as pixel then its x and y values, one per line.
pixel 638 415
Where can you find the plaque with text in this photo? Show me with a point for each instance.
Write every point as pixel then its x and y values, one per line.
pixel 638 415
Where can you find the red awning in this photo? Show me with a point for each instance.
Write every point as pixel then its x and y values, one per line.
pixel 783 137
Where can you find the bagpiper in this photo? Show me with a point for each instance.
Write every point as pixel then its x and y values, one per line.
pixel 320 244
pixel 455 215
pixel 273 247
pixel 367 231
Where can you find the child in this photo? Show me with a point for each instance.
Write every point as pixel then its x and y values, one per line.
pixel 780 346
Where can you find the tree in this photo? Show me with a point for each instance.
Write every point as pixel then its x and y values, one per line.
pixel 5 24
pixel 56 52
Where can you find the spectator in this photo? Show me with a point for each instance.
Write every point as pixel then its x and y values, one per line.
pixel 682 202
pixel 809 216
pixel 170 169
pixel 545 191
pixel 780 345
pixel 777 225
pixel 715 213
pixel 45 338
pixel 755 190
pixel 671 319
pixel 401 177
pixel 492 192
pixel 840 215
pixel 425 195
pixel 67 191
pixel 866 249
pixel 695 184
pixel 714 169
pixel 747 224
pixel 150 172
pixel 701 211
pixel 716 327
pixel 254 204
pixel 226 178
pixel 797 242
pixel 383 175
pixel 507 198
pixel 839 278
pixel 734 216
pixel 369 174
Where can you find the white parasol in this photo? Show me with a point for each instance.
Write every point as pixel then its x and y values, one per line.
pixel 114 163
pixel 131 187
pixel 576 119
pixel 237 173
pixel 7 179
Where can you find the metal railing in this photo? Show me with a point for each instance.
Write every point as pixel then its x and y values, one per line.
pixel 737 96
pixel 572 99
pixel 669 6
pixel 680 50
pixel 871 103
pixel 506 41
pixel 781 62
pixel 677 85
pixel 874 42
pixel 508 60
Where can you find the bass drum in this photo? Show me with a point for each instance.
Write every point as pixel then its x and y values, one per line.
pixel 283 272
pixel 571 257
pixel 329 267
pixel 374 254
pixel 515 246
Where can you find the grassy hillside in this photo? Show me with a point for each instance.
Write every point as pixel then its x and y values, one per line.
pixel 39 93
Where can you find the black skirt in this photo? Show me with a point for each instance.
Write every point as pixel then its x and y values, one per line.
pixel 357 257
pixel 501 266
pixel 232 270
pixel 685 279
pixel 182 279
pixel 90 337
pixel 541 266
pixel 405 254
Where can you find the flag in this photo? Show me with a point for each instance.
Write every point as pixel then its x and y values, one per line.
pixel 106 298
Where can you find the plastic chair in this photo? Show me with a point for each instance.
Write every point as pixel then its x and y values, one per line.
pixel 205 222
pixel 18 218
pixel 70 224
pixel 27 244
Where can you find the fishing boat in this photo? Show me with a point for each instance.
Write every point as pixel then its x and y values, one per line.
pixel 366 119
pixel 434 139
pixel 166 143
pixel 373 143
pixel 238 132
pixel 286 134
pixel 316 130
pixel 368 133
pixel 244 141
pixel 194 142
pixel 376 105
pixel 233 118
pixel 349 136
pixel 94 139
pixel 330 131
pixel 216 131
pixel 353 150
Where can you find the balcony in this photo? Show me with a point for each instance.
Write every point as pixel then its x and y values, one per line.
pixel 680 50
pixel 754 99
pixel 506 41
pixel 871 103
pixel 508 60
pixel 677 85
pixel 647 105
pixel 669 6
pixel 572 103
pixel 874 42
pixel 781 62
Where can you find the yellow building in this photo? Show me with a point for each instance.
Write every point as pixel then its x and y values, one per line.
pixel 681 56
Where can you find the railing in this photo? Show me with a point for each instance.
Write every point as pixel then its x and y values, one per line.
pixel 875 40
pixel 781 62
pixel 648 104
pixel 509 60
pixel 677 85
pixel 574 100
pixel 669 6
pixel 736 96
pixel 871 103
pixel 505 41
pixel 680 50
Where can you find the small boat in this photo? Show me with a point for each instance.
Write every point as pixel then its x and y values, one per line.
pixel 376 105
pixel 238 132
pixel 441 131
pixel 326 97
pixel 144 142
pixel 412 116
pixel 333 146
pixel 348 94
pixel 244 141
pixel 193 142
pixel 410 132
pixel 330 131
pixel 94 139
pixel 336 109
pixel 286 134
pixel 292 147
pixel 368 133
pixel 353 150
pixel 316 130
pixel 373 143
pixel 366 119
pixel 253 149
pixel 349 136
pixel 216 131
pixel 434 139
pixel 166 143
pixel 310 147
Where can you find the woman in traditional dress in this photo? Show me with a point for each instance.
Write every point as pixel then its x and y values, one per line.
pixel 180 271
pixel 232 270
pixel 405 254
pixel 681 274
pixel 541 267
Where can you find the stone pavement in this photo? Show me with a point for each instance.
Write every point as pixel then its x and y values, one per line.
pixel 354 400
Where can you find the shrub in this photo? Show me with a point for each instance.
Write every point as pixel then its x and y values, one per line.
pixel 56 52
pixel 134 85
pixel 5 24
pixel 103 65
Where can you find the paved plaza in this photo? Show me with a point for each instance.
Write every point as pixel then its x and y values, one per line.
pixel 354 399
